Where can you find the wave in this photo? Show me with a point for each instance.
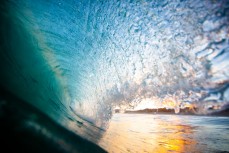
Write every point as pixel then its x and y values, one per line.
pixel 83 58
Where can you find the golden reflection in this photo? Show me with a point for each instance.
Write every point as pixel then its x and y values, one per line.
pixel 148 133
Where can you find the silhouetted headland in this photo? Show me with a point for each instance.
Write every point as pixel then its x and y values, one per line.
pixel 183 111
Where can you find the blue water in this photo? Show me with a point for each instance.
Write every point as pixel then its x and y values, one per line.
pixel 77 60
pixel 166 133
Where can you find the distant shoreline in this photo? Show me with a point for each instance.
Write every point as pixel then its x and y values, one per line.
pixel 184 111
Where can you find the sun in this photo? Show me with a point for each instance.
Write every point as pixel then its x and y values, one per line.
pixel 149 103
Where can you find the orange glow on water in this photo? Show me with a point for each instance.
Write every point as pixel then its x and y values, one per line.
pixel 140 136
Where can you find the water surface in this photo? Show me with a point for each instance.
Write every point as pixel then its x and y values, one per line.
pixel 166 133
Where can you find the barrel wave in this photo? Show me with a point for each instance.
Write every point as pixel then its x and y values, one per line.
pixel 77 60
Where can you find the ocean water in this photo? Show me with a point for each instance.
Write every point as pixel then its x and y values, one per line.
pixel 77 60
pixel 151 133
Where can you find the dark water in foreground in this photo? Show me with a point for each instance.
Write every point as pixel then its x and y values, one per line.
pixel 166 133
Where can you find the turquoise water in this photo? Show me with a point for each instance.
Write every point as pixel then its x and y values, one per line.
pixel 76 61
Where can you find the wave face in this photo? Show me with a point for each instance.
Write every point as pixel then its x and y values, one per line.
pixel 87 57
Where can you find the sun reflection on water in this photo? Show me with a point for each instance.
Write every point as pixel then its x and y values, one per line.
pixel 150 133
